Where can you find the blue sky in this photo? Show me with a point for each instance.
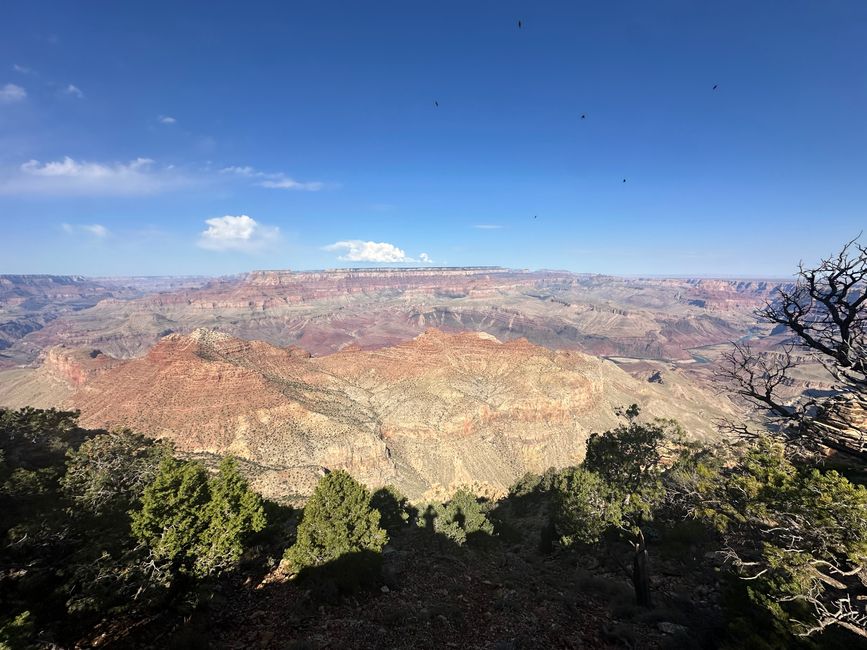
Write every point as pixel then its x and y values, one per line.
pixel 218 137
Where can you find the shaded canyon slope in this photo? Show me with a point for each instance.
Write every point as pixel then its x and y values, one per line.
pixel 428 415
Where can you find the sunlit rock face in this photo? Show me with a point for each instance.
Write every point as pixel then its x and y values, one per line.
pixel 429 414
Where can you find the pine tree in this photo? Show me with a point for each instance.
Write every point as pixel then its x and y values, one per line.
pixel 462 517
pixel 233 513
pixel 198 526
pixel 173 514
pixel 338 521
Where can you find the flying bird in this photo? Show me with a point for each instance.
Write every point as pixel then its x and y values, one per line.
pixel 583 116
pixel 624 180
pixel 520 24
pixel 535 216
pixel 715 86
pixel 436 103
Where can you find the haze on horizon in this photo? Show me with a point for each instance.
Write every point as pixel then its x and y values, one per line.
pixel 212 139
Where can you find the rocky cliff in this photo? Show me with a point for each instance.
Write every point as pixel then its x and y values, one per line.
pixel 430 414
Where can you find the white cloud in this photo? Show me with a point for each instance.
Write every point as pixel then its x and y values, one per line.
pixel 425 258
pixel 97 230
pixel 291 184
pixel 72 177
pixel 167 119
pixel 355 250
pixel 487 226
pixel 74 91
pixel 278 181
pixel 11 93
pixel 246 171
pixel 241 233
pixel 22 69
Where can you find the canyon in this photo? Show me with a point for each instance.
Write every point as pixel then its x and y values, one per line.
pixel 426 378
pixel 325 311
pixel 428 415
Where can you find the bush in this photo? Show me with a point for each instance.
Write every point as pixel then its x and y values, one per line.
pixel 16 632
pixel 339 527
pixel 196 525
pixel 585 506
pixel 233 514
pixel 395 510
pixel 462 518
pixel 799 535
pixel 110 472
pixel 172 515
pixel 531 484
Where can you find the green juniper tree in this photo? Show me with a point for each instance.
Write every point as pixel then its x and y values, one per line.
pixel 796 534
pixel 618 487
pixel 195 524
pixel 173 516
pixel 462 517
pixel 109 472
pixel 338 521
pixel 233 514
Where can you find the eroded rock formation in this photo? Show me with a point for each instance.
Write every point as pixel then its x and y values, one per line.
pixel 430 414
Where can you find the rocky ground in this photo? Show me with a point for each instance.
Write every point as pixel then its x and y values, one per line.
pixel 495 594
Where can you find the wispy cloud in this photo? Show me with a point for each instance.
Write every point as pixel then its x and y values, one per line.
pixel 356 250
pixel 291 184
pixel 73 91
pixel 23 69
pixel 10 93
pixel 237 233
pixel 70 177
pixel 487 226
pixel 95 229
pixel 167 119
pixel 278 180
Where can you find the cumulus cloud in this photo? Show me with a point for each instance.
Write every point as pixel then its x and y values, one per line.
pixel 277 181
pixel 487 226
pixel 425 258
pixel 95 229
pixel 74 91
pixel 167 119
pixel 237 233
pixel 70 177
pixel 10 93
pixel 355 250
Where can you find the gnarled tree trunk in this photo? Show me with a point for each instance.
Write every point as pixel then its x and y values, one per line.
pixel 641 572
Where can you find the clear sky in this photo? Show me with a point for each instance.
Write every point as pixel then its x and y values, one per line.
pixel 217 137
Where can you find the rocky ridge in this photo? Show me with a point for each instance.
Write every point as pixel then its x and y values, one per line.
pixel 429 414
pixel 325 311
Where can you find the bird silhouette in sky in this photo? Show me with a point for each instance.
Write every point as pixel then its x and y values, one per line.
pixel 715 86
pixel 520 24
pixel 624 180
pixel 436 104
pixel 535 216
pixel 583 116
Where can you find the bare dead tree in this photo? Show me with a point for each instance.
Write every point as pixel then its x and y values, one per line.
pixel 826 315
pixel 758 377
pixel 827 312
